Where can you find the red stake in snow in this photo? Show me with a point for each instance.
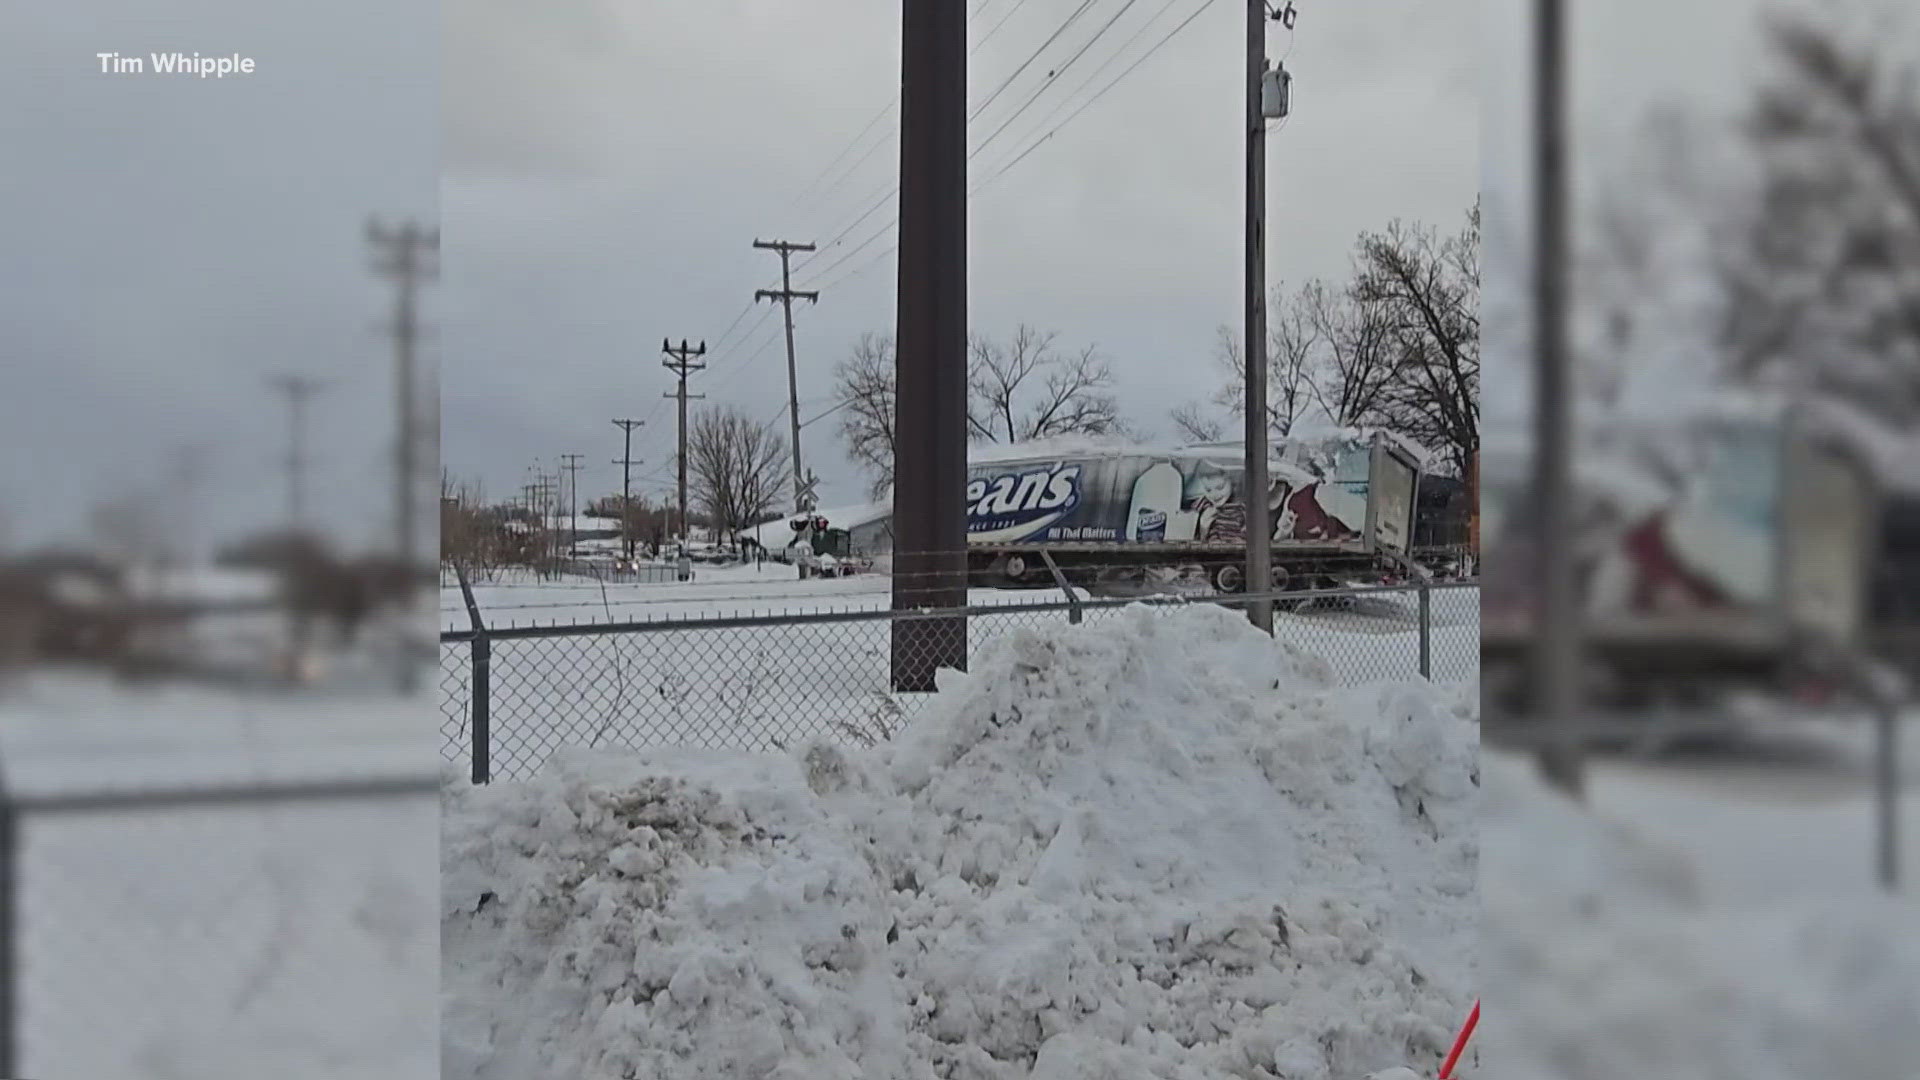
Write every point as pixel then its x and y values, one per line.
pixel 1460 1043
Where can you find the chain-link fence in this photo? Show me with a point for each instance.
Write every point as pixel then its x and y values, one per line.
pixel 513 696
pixel 215 930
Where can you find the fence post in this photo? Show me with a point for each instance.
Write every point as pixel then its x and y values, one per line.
pixel 1060 579
pixel 9 933
pixel 1426 629
pixel 480 712
pixel 1888 788
pixel 482 731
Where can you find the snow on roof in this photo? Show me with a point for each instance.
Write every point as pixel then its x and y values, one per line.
pixel 1063 446
pixel 1305 436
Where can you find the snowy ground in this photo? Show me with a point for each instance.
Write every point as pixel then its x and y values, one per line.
pixel 714 591
pixel 237 940
pixel 1699 921
pixel 1159 847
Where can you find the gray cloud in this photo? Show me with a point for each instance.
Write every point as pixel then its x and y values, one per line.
pixel 169 241
pixel 608 167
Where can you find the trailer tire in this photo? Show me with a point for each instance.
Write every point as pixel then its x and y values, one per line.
pixel 1229 578
pixel 1009 571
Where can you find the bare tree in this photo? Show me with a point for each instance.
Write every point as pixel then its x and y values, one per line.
pixel 1825 287
pixel 737 466
pixel 1426 290
pixel 1195 425
pixel 1355 365
pixel 866 384
pixel 1025 389
pixel 1293 340
pixel 1020 390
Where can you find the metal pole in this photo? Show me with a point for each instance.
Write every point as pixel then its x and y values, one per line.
pixel 793 383
pixel 1259 577
pixel 930 525
pixel 404 329
pixel 1426 630
pixel 297 462
pixel 9 934
pixel 1888 769
pixel 683 462
pixel 480 749
pixel 1557 660
pixel 626 483
pixel 482 708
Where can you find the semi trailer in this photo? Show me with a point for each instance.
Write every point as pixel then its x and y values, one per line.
pixel 1342 506
pixel 1715 555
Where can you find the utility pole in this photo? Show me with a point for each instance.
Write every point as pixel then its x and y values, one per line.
pixel 929 521
pixel 189 471
pixel 408 256
pixel 549 513
pixel 1557 659
pixel 680 360
pixel 787 296
pixel 299 390
pixel 1259 575
pixel 626 464
pixel 572 467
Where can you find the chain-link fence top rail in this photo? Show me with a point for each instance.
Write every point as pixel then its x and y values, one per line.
pixel 766 682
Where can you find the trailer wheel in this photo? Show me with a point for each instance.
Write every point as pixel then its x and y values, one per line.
pixel 1229 578
pixel 1009 570
pixel 1283 582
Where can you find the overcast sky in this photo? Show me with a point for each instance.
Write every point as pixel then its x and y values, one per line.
pixel 166 242
pixel 608 165
pixel 1705 57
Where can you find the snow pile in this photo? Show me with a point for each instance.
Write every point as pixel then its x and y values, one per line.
pixel 1162 847
pixel 1604 958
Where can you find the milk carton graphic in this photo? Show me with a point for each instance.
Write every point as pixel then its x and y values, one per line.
pixel 1156 499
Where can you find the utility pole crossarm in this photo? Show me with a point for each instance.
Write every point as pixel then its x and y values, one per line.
pixel 782 294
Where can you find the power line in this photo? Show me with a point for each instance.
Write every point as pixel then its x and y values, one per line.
pixel 1036 144
pixel 1104 65
pixel 1028 62
pixel 1052 77
pixel 744 363
pixel 842 234
pixel 842 261
pixel 1018 4
pixel 853 169
pixel 1184 23
pixel 1021 156
pixel 848 149
pixel 895 189
pixel 822 416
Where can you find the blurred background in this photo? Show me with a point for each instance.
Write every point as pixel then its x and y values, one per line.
pixel 218 842
pixel 1702 587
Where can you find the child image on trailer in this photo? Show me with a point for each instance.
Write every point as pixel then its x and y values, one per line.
pixel 1213 501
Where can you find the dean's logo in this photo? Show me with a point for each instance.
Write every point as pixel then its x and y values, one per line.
pixel 1016 505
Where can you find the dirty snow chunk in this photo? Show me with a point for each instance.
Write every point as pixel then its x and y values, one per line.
pixel 1163 846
